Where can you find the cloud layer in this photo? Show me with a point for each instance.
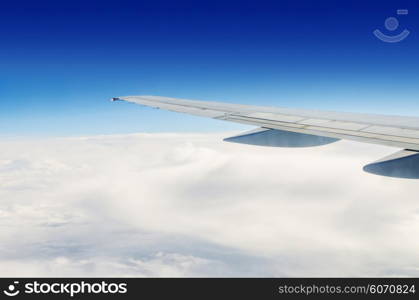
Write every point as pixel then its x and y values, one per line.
pixel 192 205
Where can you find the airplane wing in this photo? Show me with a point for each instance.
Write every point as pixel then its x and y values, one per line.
pixel 285 127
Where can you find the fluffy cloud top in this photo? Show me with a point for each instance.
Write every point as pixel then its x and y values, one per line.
pixel 192 205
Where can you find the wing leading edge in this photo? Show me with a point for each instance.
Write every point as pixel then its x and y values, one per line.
pixel 308 127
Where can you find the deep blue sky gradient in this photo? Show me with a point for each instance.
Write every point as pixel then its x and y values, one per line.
pixel 60 61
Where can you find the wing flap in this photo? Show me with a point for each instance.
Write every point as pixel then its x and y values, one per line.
pixel 411 133
pixel 361 136
pixel 334 124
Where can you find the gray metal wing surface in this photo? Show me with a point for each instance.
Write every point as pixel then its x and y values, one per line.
pixel 308 127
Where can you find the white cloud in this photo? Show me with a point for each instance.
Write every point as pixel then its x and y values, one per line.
pixel 192 205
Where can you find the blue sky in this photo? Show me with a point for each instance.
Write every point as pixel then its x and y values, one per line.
pixel 61 61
